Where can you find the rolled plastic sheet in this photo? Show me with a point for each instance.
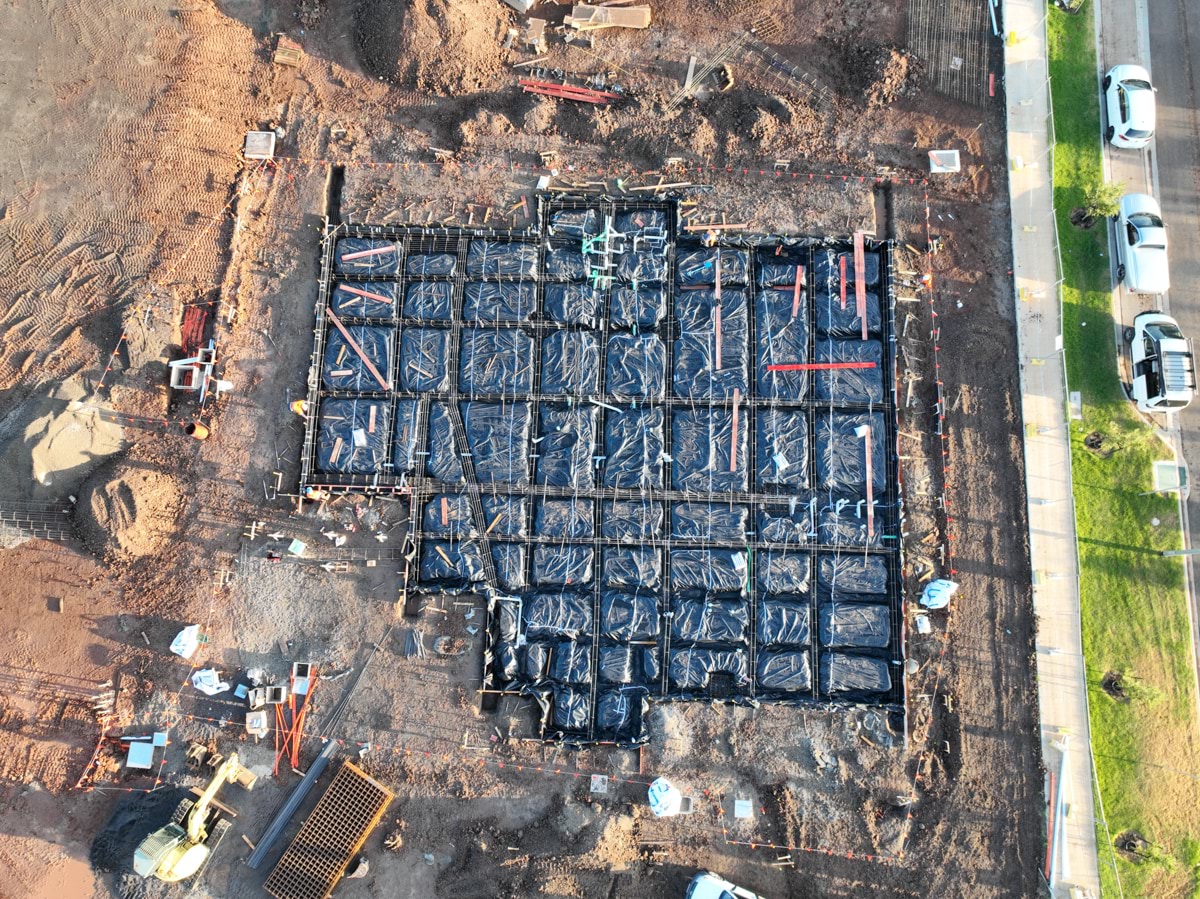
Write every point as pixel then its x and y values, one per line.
pixel 631 568
pixel 625 617
pixel 701 621
pixel 572 304
pixel 700 371
pixel 343 367
pixel 488 302
pixel 565 519
pixel 708 571
pixel 631 520
pixel 784 672
pixel 851 573
pixel 496 361
pixel 571 662
pixel 423 353
pixel 692 669
pixel 443 462
pixel 364 299
pixel 509 561
pixel 575 223
pixel 702 447
pixel 700 266
pixel 841 453
pixel 844 673
pixel 641 307
pixel 449 515
pixel 781 339
pixel 431 265
pixel 782 623
pixel 567 446
pixel 782 449
pixel 491 258
pixel 850 385
pixel 646 267
pixel 635 367
pixel 366 256
pixel 572 709
pixel 570 364
pixel 428 300
pixel 565 264
pixel 346 441
pixel 783 572
pixel 454 565
pixel 641 221
pixel 633 447
pixel 709 521
pixel 563 566
pixel 563 614
pixel 498 435
pixel 404 442
pixel 854 624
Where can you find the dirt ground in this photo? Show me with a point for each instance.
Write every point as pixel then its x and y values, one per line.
pixel 126 202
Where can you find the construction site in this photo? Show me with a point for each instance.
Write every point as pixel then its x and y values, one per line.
pixel 512 449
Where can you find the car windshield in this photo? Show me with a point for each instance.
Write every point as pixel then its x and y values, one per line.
pixel 1136 84
pixel 1146 220
pixel 1164 332
pixel 1138 133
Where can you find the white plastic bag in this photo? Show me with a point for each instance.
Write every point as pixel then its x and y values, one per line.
pixel 186 641
pixel 208 681
pixel 937 593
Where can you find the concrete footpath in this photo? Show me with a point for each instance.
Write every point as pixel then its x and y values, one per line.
pixel 1062 681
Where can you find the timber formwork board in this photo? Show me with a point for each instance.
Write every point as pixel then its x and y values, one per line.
pixel 333 834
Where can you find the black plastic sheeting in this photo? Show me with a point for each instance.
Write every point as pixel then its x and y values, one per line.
pixel 489 258
pixel 506 515
pixel 780 271
pixel 635 366
pixel 428 300
pixel 569 565
pixel 853 676
pixel 565 519
pixel 509 561
pixel 568 436
pixel 852 573
pixel 451 565
pixel 782 339
pixel 563 614
pixel 566 264
pixel 631 520
pixel 498 435
pixel 711 522
pixel 631 568
pixel 345 441
pixel 575 223
pixel 783 572
pixel 691 670
pixel 404 441
pixel 640 307
pixel 344 369
pixel 431 265
pixel 782 449
pixel 783 672
pixel 570 364
pixel 619 714
pixel 850 385
pixel 792 525
pixel 423 355
pixel 848 528
pixel 642 221
pixel 572 304
pixel 698 372
pixel 854 624
pixel 834 321
pixel 505 301
pixel 708 571
pixel 496 361
pixel 783 623
pixel 699 621
pixel 366 256
pixel 827 269
pixel 642 268
pixel 626 617
pixel 702 449
pixel 633 446
pixel 700 267
pixel 364 299
pixel 841 454
pixel 444 462
pixel 449 515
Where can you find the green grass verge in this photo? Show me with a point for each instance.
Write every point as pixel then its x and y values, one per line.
pixel 1134 602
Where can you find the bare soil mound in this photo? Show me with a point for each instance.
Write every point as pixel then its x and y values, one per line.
pixel 433 45
pixel 881 73
pixel 126 511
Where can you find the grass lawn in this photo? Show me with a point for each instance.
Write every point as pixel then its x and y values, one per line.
pixel 1134 603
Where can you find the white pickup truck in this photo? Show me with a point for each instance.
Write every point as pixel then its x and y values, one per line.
pixel 1164 369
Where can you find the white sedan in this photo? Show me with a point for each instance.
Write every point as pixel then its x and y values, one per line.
pixel 1129 107
pixel 706 885
pixel 1142 245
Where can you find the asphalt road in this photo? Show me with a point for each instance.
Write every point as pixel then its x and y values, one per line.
pixel 1175 56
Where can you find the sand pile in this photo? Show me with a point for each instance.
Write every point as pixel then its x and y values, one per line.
pixel 437 46
pixel 127 511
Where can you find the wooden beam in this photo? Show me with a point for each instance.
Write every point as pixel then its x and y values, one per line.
pixel 353 344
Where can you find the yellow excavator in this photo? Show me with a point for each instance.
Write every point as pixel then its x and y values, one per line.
pixel 177 852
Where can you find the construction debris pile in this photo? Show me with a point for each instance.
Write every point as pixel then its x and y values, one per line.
pixel 670 466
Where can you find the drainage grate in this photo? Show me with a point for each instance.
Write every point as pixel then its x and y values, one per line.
pixel 329 839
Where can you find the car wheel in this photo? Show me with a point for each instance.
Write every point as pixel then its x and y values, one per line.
pixel 1120 273
pixel 1128 335
pixel 1109 132
pixel 1107 81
